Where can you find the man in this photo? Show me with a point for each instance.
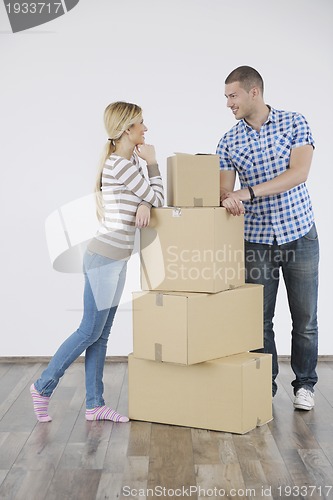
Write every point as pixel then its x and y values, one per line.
pixel 272 151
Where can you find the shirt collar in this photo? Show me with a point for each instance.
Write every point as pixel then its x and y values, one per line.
pixel 271 118
pixel 272 115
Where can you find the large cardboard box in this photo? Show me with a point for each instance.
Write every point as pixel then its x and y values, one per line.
pixel 192 250
pixel 188 328
pixel 193 180
pixel 231 394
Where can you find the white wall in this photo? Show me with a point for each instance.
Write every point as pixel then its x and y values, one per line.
pixel 171 58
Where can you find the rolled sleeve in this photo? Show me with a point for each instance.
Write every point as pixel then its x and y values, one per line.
pixel 301 132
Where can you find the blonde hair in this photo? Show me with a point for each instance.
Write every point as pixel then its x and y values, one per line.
pixel 118 117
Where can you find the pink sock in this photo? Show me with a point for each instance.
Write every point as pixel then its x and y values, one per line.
pixel 41 404
pixel 105 413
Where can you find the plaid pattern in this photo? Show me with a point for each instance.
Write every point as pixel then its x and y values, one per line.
pixel 260 157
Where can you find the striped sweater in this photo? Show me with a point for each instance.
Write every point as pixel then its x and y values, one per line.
pixel 124 187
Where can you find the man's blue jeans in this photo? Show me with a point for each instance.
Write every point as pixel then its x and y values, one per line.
pixel 298 261
pixel 104 284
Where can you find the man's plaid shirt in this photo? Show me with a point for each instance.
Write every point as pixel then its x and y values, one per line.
pixel 259 157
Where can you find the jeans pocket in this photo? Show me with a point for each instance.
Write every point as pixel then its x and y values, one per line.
pixel 312 235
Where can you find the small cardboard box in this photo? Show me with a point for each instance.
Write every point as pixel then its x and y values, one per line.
pixel 188 328
pixel 231 394
pixel 193 180
pixel 192 250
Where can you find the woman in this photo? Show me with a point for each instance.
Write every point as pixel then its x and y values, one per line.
pixel 124 198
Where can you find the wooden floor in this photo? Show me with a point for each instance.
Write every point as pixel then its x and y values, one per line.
pixel 70 458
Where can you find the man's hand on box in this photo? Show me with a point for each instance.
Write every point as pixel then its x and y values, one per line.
pixel 233 204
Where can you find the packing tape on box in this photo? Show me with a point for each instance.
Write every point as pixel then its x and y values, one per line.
pixel 159 299
pixel 258 363
pixel 158 352
pixel 198 202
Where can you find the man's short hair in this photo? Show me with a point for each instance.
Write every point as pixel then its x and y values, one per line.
pixel 247 77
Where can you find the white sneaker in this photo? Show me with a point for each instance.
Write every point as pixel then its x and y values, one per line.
pixel 304 399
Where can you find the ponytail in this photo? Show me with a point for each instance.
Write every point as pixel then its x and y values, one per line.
pixel 108 150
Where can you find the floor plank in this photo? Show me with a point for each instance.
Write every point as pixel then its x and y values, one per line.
pixel 116 453
pixel 226 478
pixel 251 466
pixel 206 446
pixel 135 477
pixel 34 485
pixel 273 465
pixel 110 486
pixel 83 482
pixel 139 439
pixel 171 458
pixel 3 474
pixel 13 383
pixel 317 464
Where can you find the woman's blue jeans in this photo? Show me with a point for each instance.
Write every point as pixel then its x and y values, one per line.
pixel 104 284
pixel 299 261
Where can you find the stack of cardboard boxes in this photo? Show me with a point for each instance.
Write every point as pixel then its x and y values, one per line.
pixel 195 319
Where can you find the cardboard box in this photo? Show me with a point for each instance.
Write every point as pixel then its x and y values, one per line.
pixel 188 328
pixel 193 180
pixel 231 394
pixel 192 250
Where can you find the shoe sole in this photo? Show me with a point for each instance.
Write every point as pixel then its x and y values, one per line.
pixel 301 407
